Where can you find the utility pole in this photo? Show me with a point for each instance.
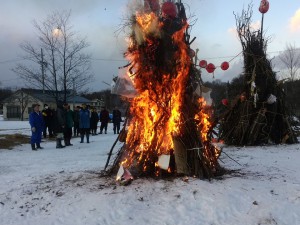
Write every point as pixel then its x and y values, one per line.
pixel 73 79
pixel 43 71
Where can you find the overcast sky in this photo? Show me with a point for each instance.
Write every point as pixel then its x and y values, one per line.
pixel 99 19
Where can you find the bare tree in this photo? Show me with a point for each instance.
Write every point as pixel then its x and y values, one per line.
pixel 290 59
pixel 58 62
pixel 23 99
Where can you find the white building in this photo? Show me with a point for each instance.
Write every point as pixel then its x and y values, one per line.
pixel 19 105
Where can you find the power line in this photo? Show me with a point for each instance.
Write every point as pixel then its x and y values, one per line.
pixel 115 60
pixel 97 59
pixel 123 60
pixel 9 79
pixel 232 56
pixel 11 60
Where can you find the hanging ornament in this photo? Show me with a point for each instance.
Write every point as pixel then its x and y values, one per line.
pixel 225 101
pixel 264 6
pixel 210 68
pixel 272 99
pixel 203 63
pixel 169 9
pixel 153 4
pixel 224 65
pixel 192 53
pixel 243 97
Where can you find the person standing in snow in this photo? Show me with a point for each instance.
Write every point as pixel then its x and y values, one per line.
pixel 104 119
pixel 69 124
pixel 84 123
pixel 37 126
pixel 48 120
pixel 117 119
pixel 94 121
pixel 76 121
pixel 59 124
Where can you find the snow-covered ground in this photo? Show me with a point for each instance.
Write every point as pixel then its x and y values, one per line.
pixel 12 127
pixel 62 186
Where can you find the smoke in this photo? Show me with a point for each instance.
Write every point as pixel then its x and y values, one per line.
pixel 134 6
pixel 294 24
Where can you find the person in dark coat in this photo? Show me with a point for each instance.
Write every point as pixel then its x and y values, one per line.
pixel 84 123
pixel 94 121
pixel 59 124
pixel 68 124
pixel 117 119
pixel 76 121
pixel 104 119
pixel 48 120
pixel 37 126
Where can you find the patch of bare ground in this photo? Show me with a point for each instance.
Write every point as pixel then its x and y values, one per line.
pixel 9 141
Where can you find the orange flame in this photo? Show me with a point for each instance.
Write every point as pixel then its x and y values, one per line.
pixel 154 121
pixel 156 111
pixel 204 125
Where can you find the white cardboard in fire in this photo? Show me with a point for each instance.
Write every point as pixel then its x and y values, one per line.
pixel 202 91
pixel 123 85
pixel 124 176
pixel 164 161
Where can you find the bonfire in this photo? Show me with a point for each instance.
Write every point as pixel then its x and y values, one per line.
pixel 168 128
pixel 259 114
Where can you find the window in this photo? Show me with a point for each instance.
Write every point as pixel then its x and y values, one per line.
pixel 13 112
pixel 29 110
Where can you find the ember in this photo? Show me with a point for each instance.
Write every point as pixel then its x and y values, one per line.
pixel 168 120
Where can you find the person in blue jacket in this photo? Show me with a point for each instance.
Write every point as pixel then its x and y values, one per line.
pixel 36 122
pixel 84 123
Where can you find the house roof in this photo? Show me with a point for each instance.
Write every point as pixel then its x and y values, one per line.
pixel 48 96
pixel 78 99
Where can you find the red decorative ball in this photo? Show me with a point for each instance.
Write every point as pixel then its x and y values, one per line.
pixel 153 4
pixel 210 68
pixel 225 101
pixel 224 65
pixel 243 97
pixel 169 9
pixel 203 63
pixel 264 6
pixel 192 53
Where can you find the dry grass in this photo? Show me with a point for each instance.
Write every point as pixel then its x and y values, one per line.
pixel 8 141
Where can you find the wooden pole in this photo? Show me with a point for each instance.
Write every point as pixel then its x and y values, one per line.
pixel 262 27
pixel 43 71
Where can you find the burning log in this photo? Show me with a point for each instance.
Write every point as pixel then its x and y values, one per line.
pixel 167 120
pixel 180 153
pixel 258 115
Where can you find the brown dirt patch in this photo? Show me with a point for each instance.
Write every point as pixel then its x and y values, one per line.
pixel 8 141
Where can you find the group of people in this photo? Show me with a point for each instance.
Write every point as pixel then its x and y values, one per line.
pixel 63 122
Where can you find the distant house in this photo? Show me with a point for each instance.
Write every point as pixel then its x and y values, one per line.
pixel 97 103
pixel 19 105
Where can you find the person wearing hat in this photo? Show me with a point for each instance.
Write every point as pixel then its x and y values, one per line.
pixel 84 123
pixel 48 119
pixel 37 126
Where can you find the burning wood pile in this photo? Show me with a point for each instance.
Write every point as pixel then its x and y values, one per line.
pixel 258 115
pixel 168 128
